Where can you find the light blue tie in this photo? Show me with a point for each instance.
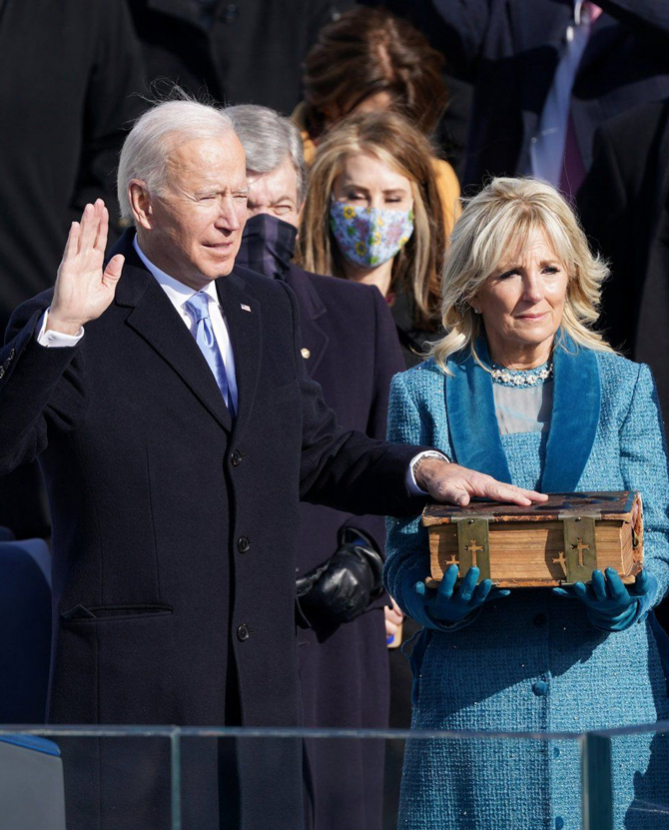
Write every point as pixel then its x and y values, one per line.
pixel 198 308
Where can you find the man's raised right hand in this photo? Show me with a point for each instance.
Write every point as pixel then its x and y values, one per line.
pixel 83 289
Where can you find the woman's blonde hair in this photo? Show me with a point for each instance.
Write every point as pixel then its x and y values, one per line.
pixel 498 221
pixel 394 141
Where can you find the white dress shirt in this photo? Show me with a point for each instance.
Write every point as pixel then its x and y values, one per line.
pixel 178 294
pixel 547 147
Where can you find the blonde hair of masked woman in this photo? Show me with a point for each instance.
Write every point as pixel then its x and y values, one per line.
pixel 501 217
pixel 392 140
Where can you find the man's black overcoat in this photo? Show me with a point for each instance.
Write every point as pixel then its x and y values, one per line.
pixel 173 529
pixel 350 347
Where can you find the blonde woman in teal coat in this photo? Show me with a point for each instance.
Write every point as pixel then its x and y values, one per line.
pixel 523 388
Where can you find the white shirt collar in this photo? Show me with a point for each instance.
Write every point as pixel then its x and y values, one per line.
pixel 178 293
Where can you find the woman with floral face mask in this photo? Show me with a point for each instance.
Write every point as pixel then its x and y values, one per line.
pixel 373 214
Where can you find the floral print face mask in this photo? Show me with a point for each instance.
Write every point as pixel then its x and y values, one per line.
pixel 370 236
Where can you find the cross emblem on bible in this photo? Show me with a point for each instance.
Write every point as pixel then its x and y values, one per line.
pixel 473 548
pixel 562 562
pixel 580 547
pixel 453 560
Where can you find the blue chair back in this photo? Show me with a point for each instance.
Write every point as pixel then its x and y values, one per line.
pixel 25 630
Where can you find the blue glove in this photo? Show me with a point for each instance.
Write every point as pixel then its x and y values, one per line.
pixel 445 607
pixel 611 605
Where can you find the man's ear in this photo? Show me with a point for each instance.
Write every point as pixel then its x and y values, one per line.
pixel 140 202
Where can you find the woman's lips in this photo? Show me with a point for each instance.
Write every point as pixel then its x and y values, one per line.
pixel 531 317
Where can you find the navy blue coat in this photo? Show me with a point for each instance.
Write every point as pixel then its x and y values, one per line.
pixel 174 530
pixel 350 346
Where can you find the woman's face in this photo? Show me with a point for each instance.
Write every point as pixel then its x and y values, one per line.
pixel 522 302
pixel 368 182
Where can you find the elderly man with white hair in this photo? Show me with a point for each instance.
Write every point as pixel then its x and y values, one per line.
pixel 165 395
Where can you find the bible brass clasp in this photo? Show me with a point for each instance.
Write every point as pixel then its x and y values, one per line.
pixel 473 545
pixel 580 547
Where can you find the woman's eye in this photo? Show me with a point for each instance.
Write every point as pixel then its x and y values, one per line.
pixel 354 196
pixel 551 269
pixel 507 274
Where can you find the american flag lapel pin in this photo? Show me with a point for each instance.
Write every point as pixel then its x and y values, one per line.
pixel 246 307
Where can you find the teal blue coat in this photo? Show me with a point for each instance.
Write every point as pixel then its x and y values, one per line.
pixel 533 662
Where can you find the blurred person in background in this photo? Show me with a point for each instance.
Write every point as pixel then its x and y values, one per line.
pixel 373 215
pixel 68 74
pixel 350 347
pixel 624 208
pixel 368 60
pixel 547 73
pixel 248 51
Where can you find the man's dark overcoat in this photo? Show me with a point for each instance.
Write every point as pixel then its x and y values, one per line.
pixel 174 530
pixel 350 347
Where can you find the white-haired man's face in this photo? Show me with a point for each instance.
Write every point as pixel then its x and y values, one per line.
pixel 193 230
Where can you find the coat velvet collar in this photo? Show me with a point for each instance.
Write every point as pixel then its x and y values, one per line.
pixel 473 426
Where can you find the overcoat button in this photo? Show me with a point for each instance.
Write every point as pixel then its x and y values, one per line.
pixel 540 620
pixel 540 688
pixel 243 544
pixel 559 823
pixel 243 633
pixel 236 458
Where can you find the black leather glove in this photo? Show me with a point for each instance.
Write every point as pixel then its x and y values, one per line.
pixel 342 588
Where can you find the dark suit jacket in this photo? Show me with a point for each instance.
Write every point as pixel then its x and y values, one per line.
pixel 510 50
pixel 350 347
pixel 624 208
pixel 249 52
pixel 173 529
pixel 68 74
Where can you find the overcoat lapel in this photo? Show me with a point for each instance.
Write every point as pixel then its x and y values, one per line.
pixel 155 319
pixel 314 339
pixel 243 316
pixel 473 425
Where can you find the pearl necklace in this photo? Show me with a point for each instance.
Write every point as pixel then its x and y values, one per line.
pixel 522 377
